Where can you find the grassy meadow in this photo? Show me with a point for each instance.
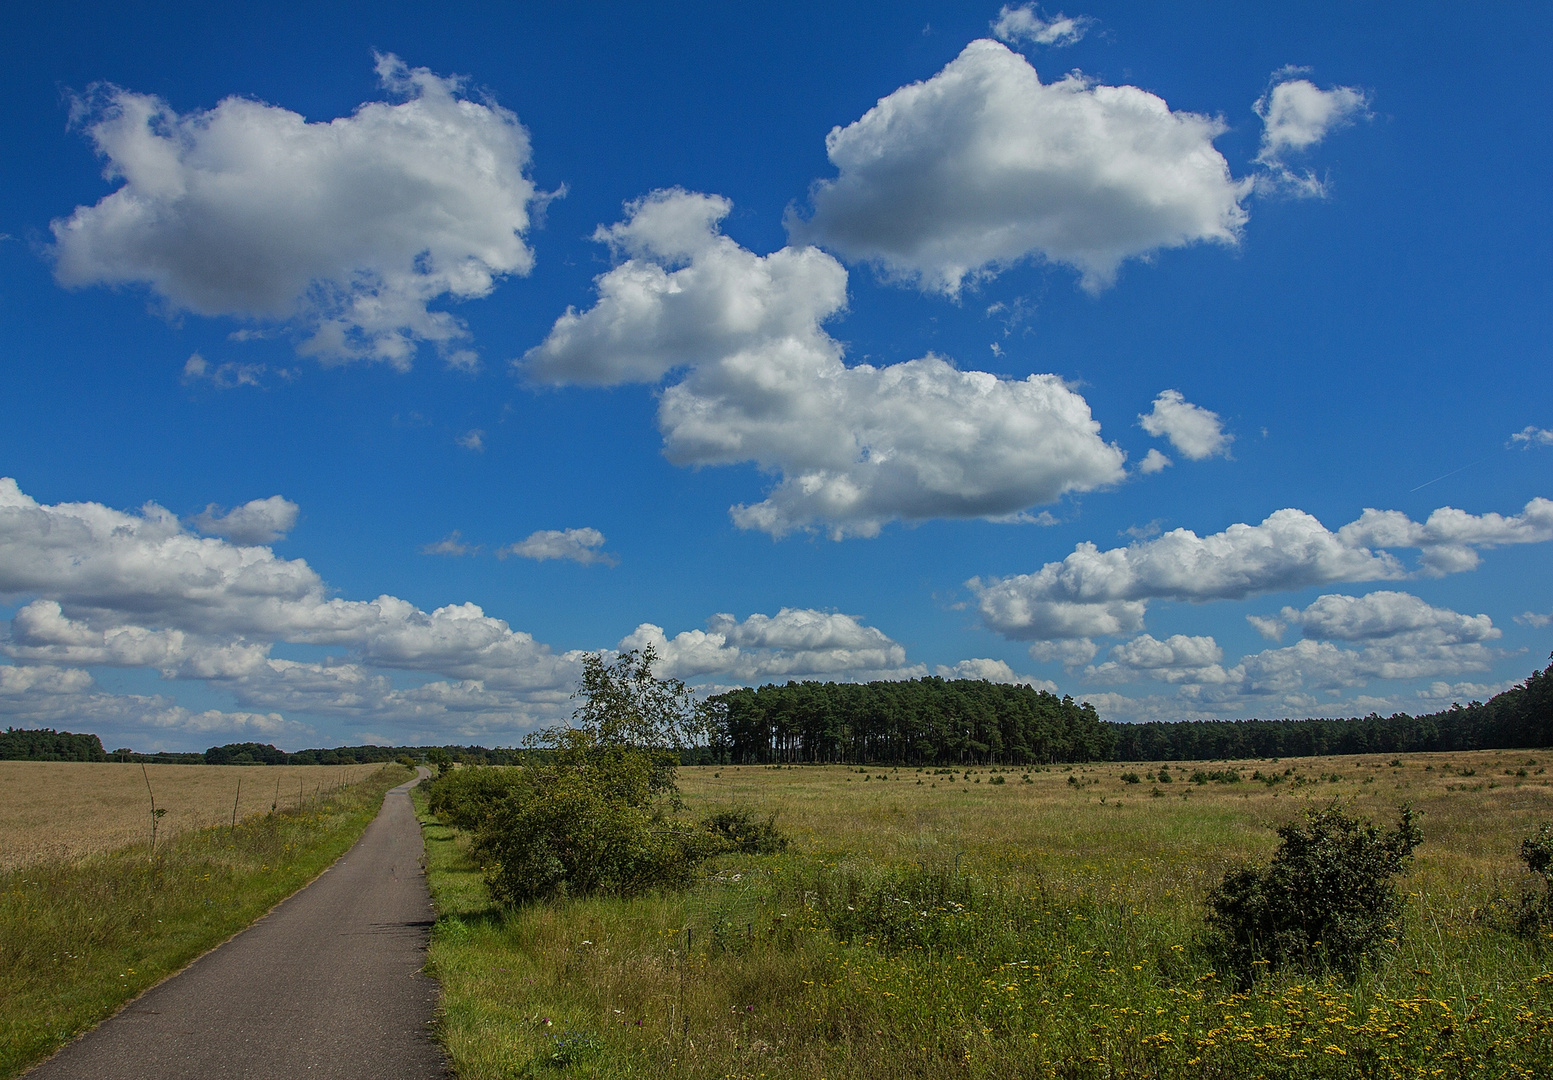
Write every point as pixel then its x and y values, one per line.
pixel 63 810
pixel 997 922
pixel 83 934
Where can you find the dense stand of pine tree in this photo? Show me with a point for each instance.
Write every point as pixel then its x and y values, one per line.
pixel 923 721
pixel 1520 717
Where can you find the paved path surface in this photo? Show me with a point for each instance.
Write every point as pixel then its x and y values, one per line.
pixel 327 985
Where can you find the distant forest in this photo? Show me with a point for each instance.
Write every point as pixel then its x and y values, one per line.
pixel 943 722
pixel 923 721
pixel 939 722
pixel 43 744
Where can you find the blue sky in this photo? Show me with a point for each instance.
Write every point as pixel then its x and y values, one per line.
pixel 364 366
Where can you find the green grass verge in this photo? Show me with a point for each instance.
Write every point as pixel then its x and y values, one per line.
pixel 79 939
pixel 824 964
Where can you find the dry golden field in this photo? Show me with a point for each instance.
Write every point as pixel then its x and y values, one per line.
pixel 61 810
pixel 1010 922
pixel 1116 841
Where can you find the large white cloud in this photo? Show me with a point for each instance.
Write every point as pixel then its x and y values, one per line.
pixel 854 447
pixel 983 165
pixel 70 698
pixel 110 588
pixel 1094 592
pixel 101 588
pixel 1380 614
pixel 1178 659
pixel 350 228
pixel 1349 642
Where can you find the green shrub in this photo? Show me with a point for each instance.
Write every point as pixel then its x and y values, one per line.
pixel 1536 909
pixel 739 830
pixel 589 823
pixel 1217 776
pixel 1325 901
pixel 1131 778
pixel 464 798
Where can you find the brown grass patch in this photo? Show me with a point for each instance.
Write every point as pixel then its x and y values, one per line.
pixel 1117 841
pixel 60 810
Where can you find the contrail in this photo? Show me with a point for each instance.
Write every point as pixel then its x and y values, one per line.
pixel 1453 472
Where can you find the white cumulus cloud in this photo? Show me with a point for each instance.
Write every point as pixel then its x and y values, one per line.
pixel 1376 615
pixel 1194 431
pixel 1093 592
pixel 576 545
pixel 348 229
pixel 1025 23
pixel 984 165
pixel 1154 462
pixel 990 670
pixel 1530 436
pixel 262 521
pixel 854 447
pixel 109 588
pixel 794 643
pixel 1178 659
pixel 1296 115
pixel 1349 642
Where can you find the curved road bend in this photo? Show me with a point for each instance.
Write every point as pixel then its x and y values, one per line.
pixel 328 984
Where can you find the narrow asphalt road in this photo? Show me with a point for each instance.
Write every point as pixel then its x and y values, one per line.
pixel 326 985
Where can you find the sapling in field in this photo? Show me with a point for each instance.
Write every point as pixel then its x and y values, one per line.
pixel 593 809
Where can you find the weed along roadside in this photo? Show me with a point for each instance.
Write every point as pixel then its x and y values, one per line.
pixel 79 937
pixel 918 926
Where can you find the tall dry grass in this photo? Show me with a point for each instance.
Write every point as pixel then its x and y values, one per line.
pixel 63 810
pixel 924 926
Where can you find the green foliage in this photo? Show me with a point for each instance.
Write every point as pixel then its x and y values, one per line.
pixel 925 906
pixel 464 798
pixel 928 721
pixel 625 704
pixel 1326 900
pixel 440 760
pixel 591 813
pixel 740 830
pixel 1217 776
pixel 1534 916
pixel 1537 854
pixel 46 744
pixel 594 821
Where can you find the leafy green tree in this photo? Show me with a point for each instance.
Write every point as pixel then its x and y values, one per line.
pixel 591 812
